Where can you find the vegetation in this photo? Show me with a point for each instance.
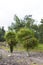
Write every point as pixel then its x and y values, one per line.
pixel 2 33
pixel 26 36
pixel 10 38
pixel 28 22
pixel 24 32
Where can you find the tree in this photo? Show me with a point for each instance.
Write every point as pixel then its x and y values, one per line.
pixel 35 28
pixel 41 21
pixel 17 25
pixel 2 33
pixel 29 21
pixel 26 37
pixel 11 40
pixel 41 31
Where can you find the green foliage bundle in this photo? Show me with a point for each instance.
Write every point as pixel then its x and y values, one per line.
pixel 24 33
pixel 26 37
pixel 30 43
pixel 27 33
pixel 11 40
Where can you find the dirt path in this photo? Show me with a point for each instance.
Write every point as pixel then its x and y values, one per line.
pixel 21 58
pixel 36 60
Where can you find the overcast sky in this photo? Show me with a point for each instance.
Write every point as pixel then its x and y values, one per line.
pixel 21 8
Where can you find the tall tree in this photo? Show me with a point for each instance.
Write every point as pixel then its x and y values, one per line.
pixel 18 24
pixel 29 21
pixel 41 31
pixel 35 28
pixel 2 33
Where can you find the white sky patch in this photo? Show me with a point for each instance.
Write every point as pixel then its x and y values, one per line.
pixel 21 8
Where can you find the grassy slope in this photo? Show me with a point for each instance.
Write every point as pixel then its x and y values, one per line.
pixel 37 49
pixel 20 48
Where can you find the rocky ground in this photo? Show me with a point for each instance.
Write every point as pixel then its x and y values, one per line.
pixel 20 58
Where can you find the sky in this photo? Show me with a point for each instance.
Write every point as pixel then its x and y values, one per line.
pixel 8 8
